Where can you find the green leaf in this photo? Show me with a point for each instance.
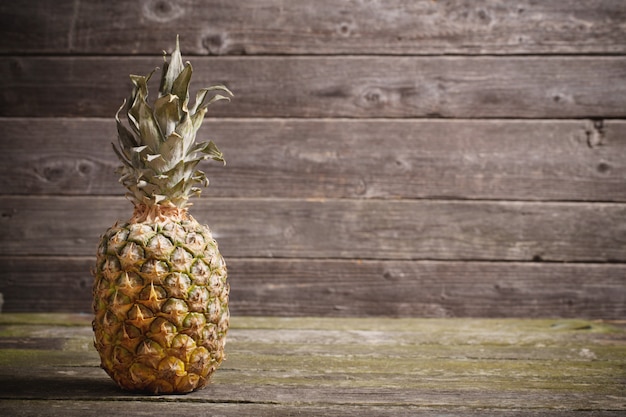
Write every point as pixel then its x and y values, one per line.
pixel 156 163
pixel 139 149
pixel 213 152
pixel 201 95
pixel 138 96
pixel 174 68
pixel 172 151
pixel 148 128
pixel 215 98
pixel 162 86
pixel 180 87
pixel 158 198
pixel 197 119
pixel 209 149
pixel 136 156
pixel 122 157
pixel 201 178
pixel 126 138
pixel 179 188
pixel 182 171
pixel 157 146
pixel 198 115
pixel 167 113
pixel 186 130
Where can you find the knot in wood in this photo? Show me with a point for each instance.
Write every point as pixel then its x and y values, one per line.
pixel 163 10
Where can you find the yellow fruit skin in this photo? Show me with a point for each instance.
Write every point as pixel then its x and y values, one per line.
pixel 160 303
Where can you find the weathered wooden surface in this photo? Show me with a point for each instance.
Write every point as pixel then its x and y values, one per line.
pixel 341 229
pixel 325 158
pixel 352 86
pixel 324 27
pixel 348 367
pixel 349 288
pixel 395 157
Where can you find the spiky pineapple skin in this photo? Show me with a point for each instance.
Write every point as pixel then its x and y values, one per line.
pixel 160 304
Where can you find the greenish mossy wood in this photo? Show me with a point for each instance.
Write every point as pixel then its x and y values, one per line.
pixel 331 366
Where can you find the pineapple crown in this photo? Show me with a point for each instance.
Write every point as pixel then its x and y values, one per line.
pixel 158 150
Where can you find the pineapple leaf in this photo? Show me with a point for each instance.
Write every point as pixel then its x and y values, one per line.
pixel 167 113
pixel 215 98
pixel 174 68
pixel 156 163
pixel 201 95
pixel 150 132
pixel 210 149
pixel 166 65
pixel 122 157
pixel 157 147
pixel 139 95
pixel 197 118
pixel 158 198
pixel 172 151
pixel 194 191
pixel 139 149
pixel 179 187
pixel 182 171
pixel 201 177
pixel 180 87
pixel 136 158
pixel 187 131
pixel 126 137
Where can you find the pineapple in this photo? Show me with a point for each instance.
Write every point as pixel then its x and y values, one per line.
pixel 160 290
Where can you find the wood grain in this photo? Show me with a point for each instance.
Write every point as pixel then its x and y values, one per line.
pixel 348 367
pixel 355 87
pixel 268 287
pixel 329 158
pixel 298 27
pixel 77 408
pixel 385 157
pixel 341 229
pixel 353 288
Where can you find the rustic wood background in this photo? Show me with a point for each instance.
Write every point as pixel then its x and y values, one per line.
pixel 392 158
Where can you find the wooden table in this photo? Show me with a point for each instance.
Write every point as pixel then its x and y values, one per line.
pixel 336 367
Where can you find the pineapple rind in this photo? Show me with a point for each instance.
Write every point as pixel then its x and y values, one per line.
pixel 160 323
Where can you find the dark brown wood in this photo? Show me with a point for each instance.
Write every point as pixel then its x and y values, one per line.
pixel 353 288
pixel 398 87
pixel 328 27
pixel 342 229
pixel 348 367
pixel 468 159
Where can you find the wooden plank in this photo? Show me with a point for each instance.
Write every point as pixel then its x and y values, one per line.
pixel 237 409
pixel 341 229
pixel 507 384
pixel 379 365
pixel 352 288
pixel 398 87
pixel 47 284
pixel 342 158
pixel 297 27
pixel 426 289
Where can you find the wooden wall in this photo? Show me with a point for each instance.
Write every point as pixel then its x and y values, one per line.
pixel 396 158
